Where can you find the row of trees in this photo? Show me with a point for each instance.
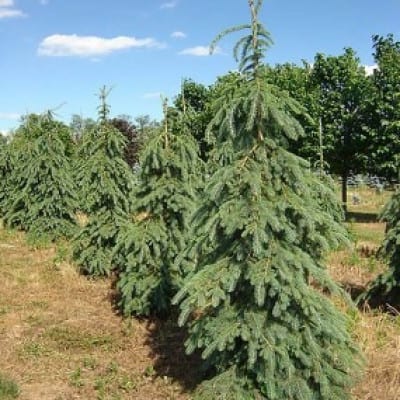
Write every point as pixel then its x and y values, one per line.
pixel 351 116
pixel 221 221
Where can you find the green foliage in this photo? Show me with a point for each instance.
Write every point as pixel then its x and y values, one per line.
pixel 79 126
pixel 8 389
pixel 164 200
pixel 146 128
pixel 254 300
pixel 194 101
pixel 106 184
pixel 33 126
pixel 5 173
pixel 344 92
pixel 384 146
pixel 41 194
pixel 324 193
pixel 298 82
pixel 385 289
pixel 359 114
pixel 250 49
pixel 93 245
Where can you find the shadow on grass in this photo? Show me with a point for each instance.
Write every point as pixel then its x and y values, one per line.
pixel 387 302
pixel 375 300
pixel 353 289
pixel 361 217
pixel 166 341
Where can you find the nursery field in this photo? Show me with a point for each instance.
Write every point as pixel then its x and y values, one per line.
pixel 60 337
pixel 131 248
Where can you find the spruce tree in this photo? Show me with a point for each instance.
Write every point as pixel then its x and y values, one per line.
pixel 255 302
pixel 41 195
pixel 5 174
pixel 106 184
pixel 169 178
pixel 385 289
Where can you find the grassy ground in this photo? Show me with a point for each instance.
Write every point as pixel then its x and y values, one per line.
pixel 61 339
pixel 377 333
pixel 8 388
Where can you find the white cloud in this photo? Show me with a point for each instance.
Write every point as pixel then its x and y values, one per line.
pixel 152 95
pixel 5 132
pixel 199 51
pixel 369 69
pixel 7 10
pixel 89 46
pixel 9 116
pixel 169 4
pixel 6 3
pixel 11 13
pixel 178 35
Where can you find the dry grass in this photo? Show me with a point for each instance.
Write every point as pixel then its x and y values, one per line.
pixel 379 337
pixel 377 333
pixel 61 339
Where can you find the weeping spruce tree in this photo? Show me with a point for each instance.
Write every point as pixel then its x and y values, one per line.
pixel 255 303
pixel 41 197
pixel 106 184
pixel 386 287
pixel 5 173
pixel 169 179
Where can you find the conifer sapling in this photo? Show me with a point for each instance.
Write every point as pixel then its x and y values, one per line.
pixel 42 196
pixel 169 177
pixel 106 184
pixel 254 303
pixel 5 173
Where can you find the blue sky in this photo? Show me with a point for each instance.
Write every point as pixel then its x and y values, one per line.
pixel 58 53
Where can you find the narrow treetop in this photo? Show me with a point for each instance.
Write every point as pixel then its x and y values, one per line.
pixel 250 49
pixel 103 109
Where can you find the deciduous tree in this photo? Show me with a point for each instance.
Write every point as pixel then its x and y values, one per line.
pixel 384 146
pixel 128 129
pixel 343 90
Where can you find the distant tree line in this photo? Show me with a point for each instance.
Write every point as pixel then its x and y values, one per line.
pixel 351 116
